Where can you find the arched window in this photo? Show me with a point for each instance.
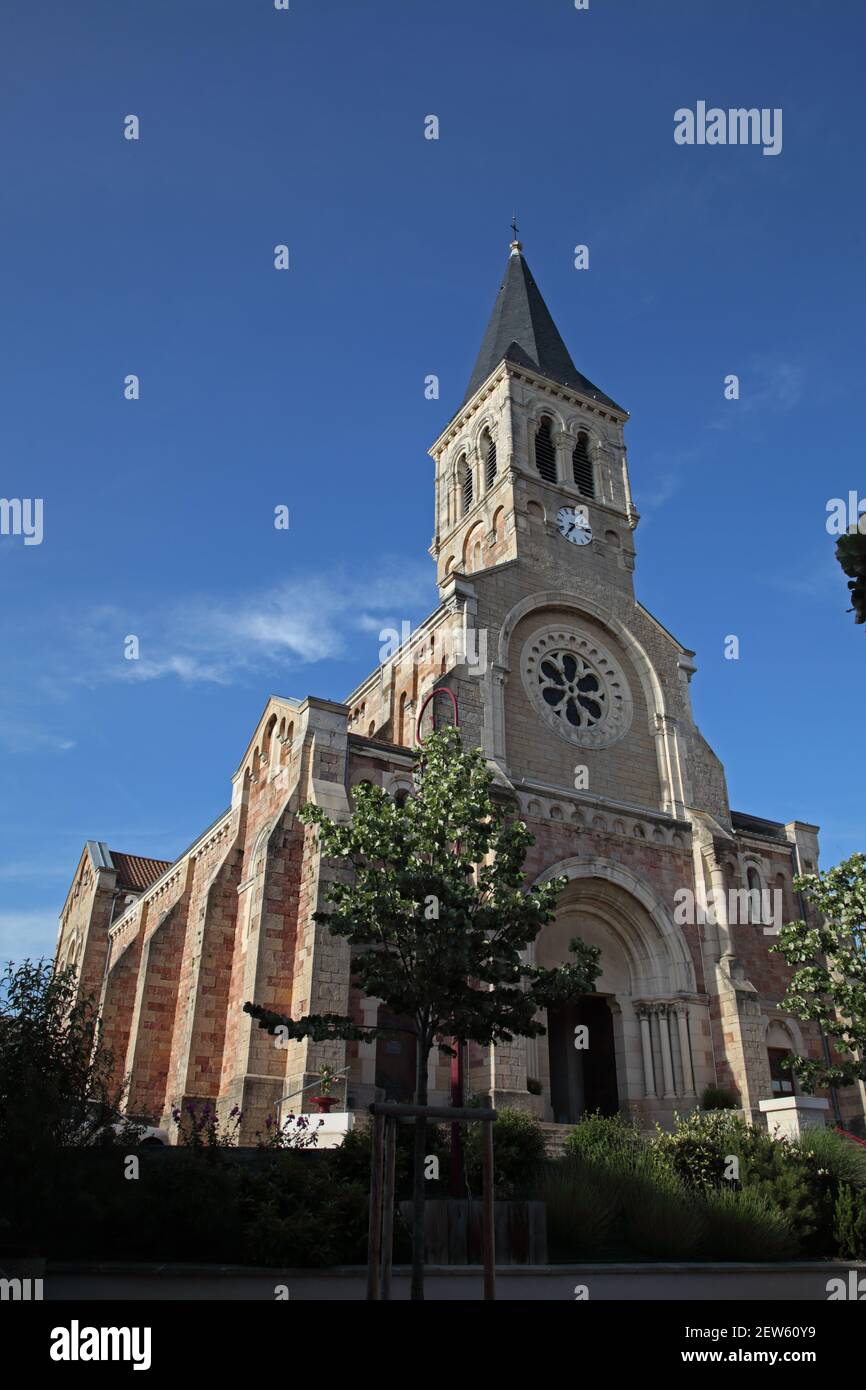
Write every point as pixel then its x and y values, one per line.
pixel 401 726
pixel 401 796
pixel 464 474
pixel 488 453
pixel 545 454
pixel 271 747
pixel 779 1051
pixel 754 882
pixel 581 464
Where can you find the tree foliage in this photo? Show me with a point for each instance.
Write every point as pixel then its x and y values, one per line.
pixel 56 1085
pixel 851 554
pixel 829 960
pixel 436 909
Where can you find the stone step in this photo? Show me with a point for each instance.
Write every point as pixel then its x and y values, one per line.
pixel 555 1137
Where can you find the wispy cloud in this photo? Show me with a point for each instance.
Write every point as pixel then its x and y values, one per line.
pixel 658 489
pixel 652 499
pixel 818 578
pixel 766 387
pixel 299 623
pixel 201 639
pixel 21 735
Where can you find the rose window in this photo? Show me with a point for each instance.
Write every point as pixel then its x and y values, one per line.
pixel 572 689
pixel 577 686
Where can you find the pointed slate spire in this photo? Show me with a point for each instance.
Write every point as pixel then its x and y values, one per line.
pixel 522 331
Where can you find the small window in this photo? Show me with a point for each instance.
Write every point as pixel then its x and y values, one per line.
pixel 402 729
pixel 581 464
pixel 545 454
pixel 401 797
pixel 782 1079
pixel 755 904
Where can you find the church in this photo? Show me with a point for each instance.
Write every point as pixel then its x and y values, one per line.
pixel 580 700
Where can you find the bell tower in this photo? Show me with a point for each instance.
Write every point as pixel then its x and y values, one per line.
pixel 533 464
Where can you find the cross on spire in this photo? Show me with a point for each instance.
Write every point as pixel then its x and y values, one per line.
pixel 516 246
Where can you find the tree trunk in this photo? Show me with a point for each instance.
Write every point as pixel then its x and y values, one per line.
pixel 418 1242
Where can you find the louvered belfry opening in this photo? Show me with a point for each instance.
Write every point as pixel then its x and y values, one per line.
pixel 466 484
pixel 490 461
pixel 582 466
pixel 545 454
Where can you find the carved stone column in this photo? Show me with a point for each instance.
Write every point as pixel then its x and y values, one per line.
pixel 667 1058
pixel 646 1047
pixel 670 764
pixel 564 446
pixel 682 1014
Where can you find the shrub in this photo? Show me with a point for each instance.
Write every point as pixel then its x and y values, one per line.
pixel 600 1136
pixel 849 1222
pixel 801 1189
pixel 719 1098
pixel 793 1179
pixel 351 1161
pixel 661 1217
pixel 294 1132
pixel 698 1149
pixel 297 1215
pixel 201 1128
pixel 744 1225
pixel 518 1153
pixel 845 1161
pixel 656 1214
pixel 582 1206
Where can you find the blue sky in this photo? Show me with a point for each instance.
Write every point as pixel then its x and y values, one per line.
pixel 305 388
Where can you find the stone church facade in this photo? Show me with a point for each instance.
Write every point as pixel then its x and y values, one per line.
pixel 580 699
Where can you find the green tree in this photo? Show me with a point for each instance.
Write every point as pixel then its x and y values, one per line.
pixel 828 955
pixel 439 919
pixel 55 1074
pixel 56 1092
pixel 851 554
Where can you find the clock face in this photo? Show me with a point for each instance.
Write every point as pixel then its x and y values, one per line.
pixel 574 525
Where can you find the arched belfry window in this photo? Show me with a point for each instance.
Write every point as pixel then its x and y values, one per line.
pixel 488 453
pixel 545 454
pixel 582 466
pixel 464 475
pixel 402 729
pixel 754 900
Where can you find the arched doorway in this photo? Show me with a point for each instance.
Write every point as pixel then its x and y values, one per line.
pixel 395 1058
pixel 643 957
pixel 582 1059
